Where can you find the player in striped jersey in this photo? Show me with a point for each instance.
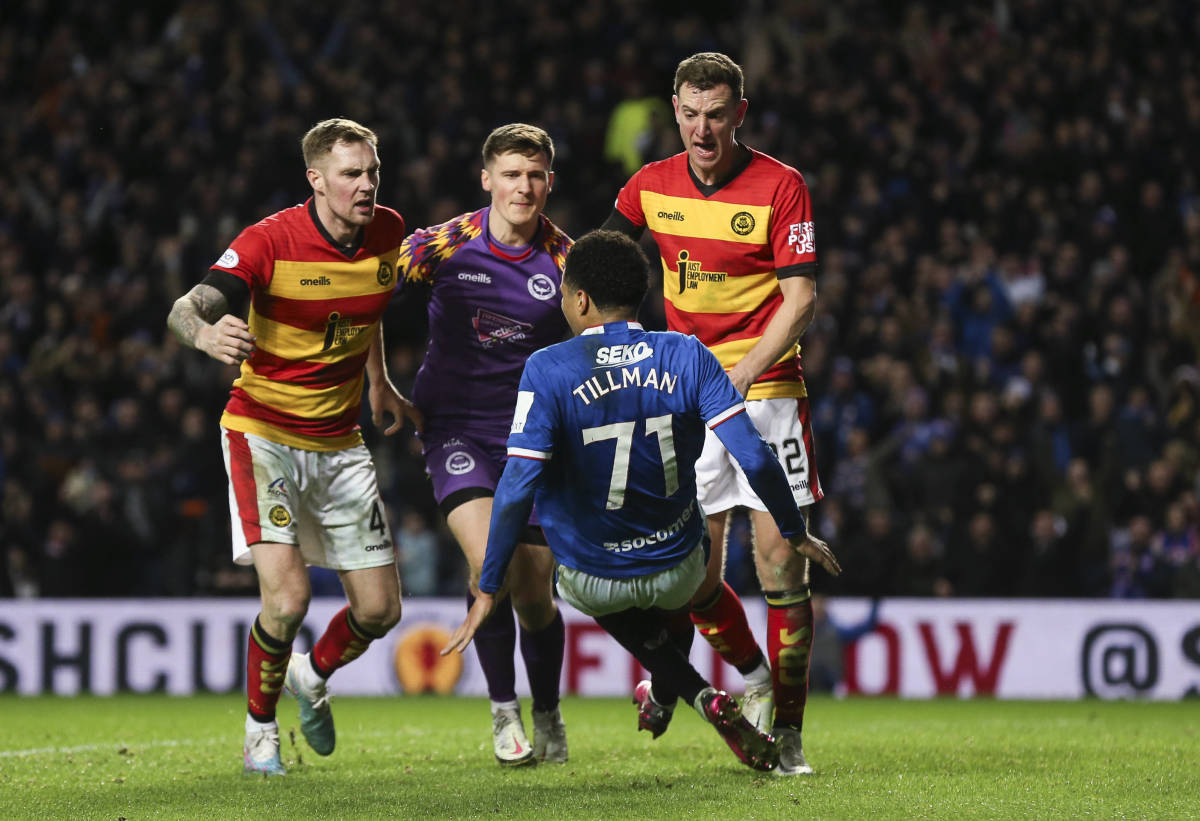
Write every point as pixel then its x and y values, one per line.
pixel 606 432
pixel 734 230
pixel 302 486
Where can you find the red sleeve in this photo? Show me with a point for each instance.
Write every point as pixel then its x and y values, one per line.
pixel 250 258
pixel 792 238
pixel 629 200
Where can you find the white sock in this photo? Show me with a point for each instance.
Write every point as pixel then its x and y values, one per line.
pixel 497 706
pixel 309 676
pixel 760 677
pixel 253 725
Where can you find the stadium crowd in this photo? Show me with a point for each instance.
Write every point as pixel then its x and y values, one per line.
pixel 1006 356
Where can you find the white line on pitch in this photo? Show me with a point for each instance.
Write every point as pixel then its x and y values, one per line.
pixel 87 748
pixel 170 742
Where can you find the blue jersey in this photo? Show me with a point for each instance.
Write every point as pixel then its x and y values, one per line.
pixel 607 430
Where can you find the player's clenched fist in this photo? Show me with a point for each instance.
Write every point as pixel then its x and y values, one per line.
pixel 227 340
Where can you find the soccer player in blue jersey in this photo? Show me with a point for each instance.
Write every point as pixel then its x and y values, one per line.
pixel 493 278
pixel 607 430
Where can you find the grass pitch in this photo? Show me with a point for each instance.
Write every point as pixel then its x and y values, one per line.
pixel 137 757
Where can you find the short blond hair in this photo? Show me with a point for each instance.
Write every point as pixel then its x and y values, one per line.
pixel 323 136
pixel 519 137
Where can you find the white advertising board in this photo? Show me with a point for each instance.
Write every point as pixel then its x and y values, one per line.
pixel 1029 649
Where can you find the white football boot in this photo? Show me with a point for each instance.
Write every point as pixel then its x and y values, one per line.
pixel 549 737
pixel 511 746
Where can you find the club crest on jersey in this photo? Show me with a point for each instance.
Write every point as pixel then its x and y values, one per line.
pixel 459 462
pixel 279 516
pixel 386 274
pixel 742 223
pixel 612 356
pixel 491 327
pixel 541 287
pixel 690 274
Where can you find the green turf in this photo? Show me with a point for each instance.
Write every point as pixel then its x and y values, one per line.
pixel 159 757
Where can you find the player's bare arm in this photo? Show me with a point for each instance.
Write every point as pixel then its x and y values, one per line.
pixel 817 550
pixel 200 321
pixel 782 332
pixel 382 395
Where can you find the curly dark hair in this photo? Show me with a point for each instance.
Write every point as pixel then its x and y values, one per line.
pixel 610 267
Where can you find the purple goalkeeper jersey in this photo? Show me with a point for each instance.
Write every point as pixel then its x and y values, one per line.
pixel 490 307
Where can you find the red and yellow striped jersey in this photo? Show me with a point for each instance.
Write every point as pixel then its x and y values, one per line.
pixel 724 250
pixel 314 310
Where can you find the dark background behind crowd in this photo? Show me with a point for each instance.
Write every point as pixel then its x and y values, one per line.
pixel 1004 363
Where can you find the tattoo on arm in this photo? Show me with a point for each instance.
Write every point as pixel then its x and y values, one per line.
pixel 203 305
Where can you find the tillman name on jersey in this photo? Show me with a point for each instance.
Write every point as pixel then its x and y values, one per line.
pixel 597 386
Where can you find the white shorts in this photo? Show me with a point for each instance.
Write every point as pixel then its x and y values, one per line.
pixel 669 589
pixel 325 502
pixel 784 423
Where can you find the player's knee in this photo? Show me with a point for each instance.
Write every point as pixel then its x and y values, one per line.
pixel 379 616
pixel 533 599
pixel 534 613
pixel 287 609
pixel 782 569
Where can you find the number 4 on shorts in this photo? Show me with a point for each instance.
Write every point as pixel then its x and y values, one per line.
pixel 377 520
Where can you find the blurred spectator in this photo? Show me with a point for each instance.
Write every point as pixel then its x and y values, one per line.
pixel 1046 560
pixel 840 409
pixel 1088 531
pixel 874 545
pixel 921 570
pixel 417 547
pixel 827 663
pixel 1006 209
pixel 1139 569
pixel 977 562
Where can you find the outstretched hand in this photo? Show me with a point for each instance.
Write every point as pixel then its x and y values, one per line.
pixel 817 550
pixel 484 604
pixel 384 398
